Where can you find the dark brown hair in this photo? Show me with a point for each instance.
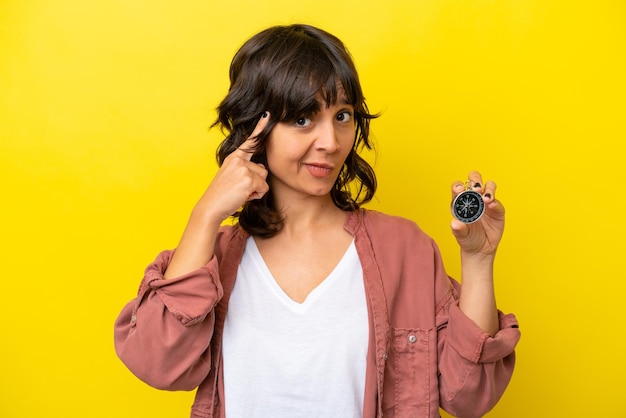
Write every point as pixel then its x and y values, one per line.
pixel 283 70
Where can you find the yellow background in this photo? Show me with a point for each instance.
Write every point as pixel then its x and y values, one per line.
pixel 104 148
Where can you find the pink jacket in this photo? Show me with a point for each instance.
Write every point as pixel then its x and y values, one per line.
pixel 424 353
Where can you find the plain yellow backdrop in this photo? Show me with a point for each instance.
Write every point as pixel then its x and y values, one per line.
pixel 105 147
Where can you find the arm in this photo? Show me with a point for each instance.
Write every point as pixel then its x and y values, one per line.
pixel 476 341
pixel 237 181
pixel 163 335
pixel 478 243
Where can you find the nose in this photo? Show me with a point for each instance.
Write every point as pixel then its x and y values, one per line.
pixel 326 139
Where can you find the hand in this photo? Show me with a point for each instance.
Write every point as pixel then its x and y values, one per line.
pixel 237 181
pixel 483 236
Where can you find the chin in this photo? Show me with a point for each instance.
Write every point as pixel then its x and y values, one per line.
pixel 320 192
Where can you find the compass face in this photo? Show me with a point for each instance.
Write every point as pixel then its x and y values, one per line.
pixel 468 206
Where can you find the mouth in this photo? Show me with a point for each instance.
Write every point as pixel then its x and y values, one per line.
pixel 319 169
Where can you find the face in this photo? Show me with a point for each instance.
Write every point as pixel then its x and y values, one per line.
pixel 306 156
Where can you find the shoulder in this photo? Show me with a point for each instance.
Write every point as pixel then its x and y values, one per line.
pixel 376 217
pixel 229 230
pixel 389 234
pixel 386 225
pixel 395 236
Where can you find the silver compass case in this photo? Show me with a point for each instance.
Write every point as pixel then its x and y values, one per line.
pixel 468 206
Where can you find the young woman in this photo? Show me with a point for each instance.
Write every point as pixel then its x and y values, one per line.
pixel 310 306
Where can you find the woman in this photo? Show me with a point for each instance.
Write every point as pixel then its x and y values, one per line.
pixel 310 306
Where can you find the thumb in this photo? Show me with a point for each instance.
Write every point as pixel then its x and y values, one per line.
pixel 460 230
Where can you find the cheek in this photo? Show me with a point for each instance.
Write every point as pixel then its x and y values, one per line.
pixel 281 156
pixel 347 144
pixel 285 150
pixel 273 150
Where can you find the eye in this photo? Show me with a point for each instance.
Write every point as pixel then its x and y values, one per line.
pixel 303 122
pixel 345 116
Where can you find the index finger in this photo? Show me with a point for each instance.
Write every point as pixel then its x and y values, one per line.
pixel 249 145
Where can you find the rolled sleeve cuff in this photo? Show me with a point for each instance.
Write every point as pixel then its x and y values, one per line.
pixel 474 344
pixel 189 297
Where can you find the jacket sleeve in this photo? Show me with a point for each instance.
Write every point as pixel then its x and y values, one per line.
pixel 163 334
pixel 474 367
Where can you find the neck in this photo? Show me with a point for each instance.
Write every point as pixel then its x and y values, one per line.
pixel 310 214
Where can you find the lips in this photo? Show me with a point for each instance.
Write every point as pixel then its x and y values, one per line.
pixel 319 169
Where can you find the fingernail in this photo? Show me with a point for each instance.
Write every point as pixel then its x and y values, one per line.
pixel 265 114
pixel 476 184
pixel 488 195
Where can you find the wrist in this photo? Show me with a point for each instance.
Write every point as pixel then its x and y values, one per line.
pixel 478 258
pixel 476 267
pixel 206 216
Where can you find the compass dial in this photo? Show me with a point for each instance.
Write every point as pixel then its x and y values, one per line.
pixel 468 206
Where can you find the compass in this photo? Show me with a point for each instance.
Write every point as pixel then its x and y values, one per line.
pixel 468 206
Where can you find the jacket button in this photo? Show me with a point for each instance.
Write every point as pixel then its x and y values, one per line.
pixel 412 338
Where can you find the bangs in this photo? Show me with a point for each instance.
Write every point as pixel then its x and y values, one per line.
pixel 308 74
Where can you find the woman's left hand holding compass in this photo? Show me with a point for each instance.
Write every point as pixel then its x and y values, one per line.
pixel 478 225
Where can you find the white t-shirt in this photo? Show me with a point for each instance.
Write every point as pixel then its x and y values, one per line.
pixel 295 360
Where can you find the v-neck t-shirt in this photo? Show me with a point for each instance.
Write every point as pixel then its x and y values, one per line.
pixel 298 360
